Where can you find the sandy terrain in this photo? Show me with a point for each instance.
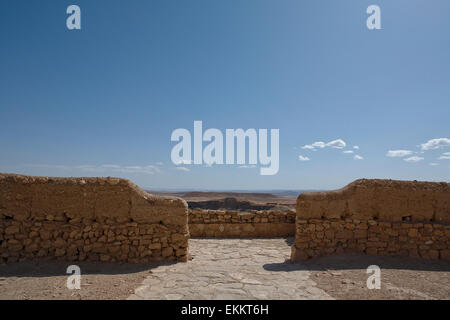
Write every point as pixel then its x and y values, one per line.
pixel 345 277
pixel 47 280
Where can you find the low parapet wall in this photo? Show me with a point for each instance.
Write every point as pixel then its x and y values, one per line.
pixel 107 219
pixel 380 217
pixel 235 224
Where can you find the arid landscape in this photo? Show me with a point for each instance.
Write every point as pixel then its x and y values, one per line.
pixel 237 151
pixel 239 245
pixel 236 200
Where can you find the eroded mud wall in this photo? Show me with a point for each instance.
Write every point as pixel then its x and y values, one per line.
pixel 107 219
pixel 379 217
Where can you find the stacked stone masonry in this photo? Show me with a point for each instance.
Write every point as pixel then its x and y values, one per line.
pixel 236 224
pixel 93 219
pixel 378 217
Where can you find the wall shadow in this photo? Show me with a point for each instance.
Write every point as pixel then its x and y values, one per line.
pixel 358 261
pixel 49 268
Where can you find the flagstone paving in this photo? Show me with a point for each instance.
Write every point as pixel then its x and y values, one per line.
pixel 232 269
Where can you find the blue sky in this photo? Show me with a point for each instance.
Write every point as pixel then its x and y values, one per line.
pixel 105 99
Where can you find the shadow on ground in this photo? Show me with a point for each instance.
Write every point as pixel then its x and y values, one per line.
pixel 49 268
pixel 357 261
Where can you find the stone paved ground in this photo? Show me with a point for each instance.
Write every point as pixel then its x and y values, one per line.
pixel 232 269
pixel 240 269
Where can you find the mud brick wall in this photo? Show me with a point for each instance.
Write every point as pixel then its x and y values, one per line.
pixel 235 224
pixel 93 219
pixel 378 217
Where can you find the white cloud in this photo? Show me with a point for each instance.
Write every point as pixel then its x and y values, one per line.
pixel 355 147
pixel 302 158
pixel 53 166
pixel 338 144
pixel 433 164
pixel 444 157
pixel 150 169
pixel 183 162
pixel 357 157
pixel 446 154
pixel 182 169
pixel 435 144
pixel 319 144
pixel 160 163
pixel 348 151
pixel 398 153
pixel 105 168
pixel 413 159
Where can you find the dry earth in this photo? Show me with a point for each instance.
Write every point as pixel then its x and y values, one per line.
pixel 345 277
pixel 47 280
pixel 262 273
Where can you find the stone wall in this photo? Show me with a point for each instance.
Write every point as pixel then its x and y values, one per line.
pixel 236 224
pixel 379 217
pixel 76 219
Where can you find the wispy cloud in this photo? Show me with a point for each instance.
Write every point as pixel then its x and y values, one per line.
pixel 338 144
pixel 398 153
pixel 182 169
pixel 247 166
pixel 183 162
pixel 435 144
pixel 51 166
pixel 413 159
pixel 433 164
pixel 149 169
pixel 104 168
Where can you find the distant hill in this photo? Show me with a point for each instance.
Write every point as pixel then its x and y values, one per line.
pixel 277 197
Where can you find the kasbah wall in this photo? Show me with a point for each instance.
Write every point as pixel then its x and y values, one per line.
pixel 377 217
pixel 235 224
pixel 111 219
pixel 93 219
